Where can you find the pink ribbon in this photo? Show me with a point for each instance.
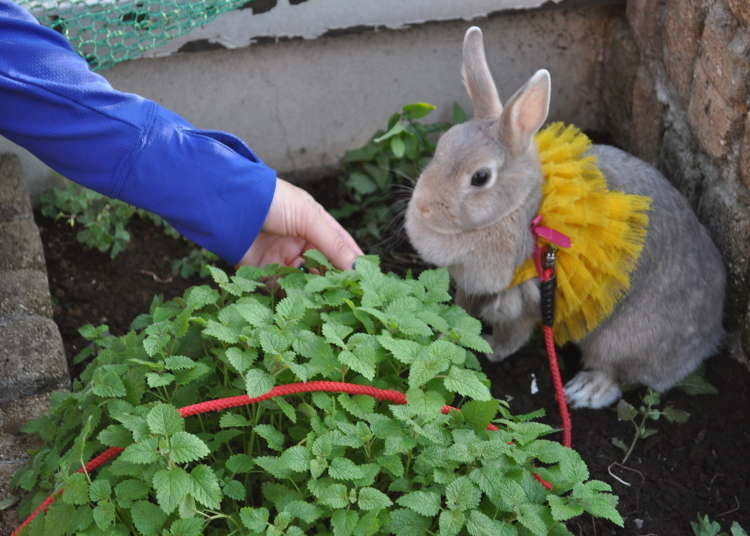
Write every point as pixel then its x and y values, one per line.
pixel 550 235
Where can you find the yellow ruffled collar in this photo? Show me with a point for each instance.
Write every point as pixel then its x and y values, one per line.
pixel 607 230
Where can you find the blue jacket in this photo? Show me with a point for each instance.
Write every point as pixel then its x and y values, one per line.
pixel 208 184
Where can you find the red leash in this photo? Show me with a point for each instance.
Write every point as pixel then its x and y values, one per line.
pixel 220 404
pixel 544 259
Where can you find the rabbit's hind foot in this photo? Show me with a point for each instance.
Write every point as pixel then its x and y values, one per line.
pixel 592 389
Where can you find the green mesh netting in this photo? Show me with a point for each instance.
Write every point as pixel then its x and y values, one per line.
pixel 106 32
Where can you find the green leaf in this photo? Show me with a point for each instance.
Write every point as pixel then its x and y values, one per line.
pixel 296 458
pixel 186 447
pixel 675 415
pixel 164 419
pixel 425 368
pixel 361 183
pixel 106 383
pixel 373 499
pixel 335 333
pixel 255 313
pixel 697 384
pixel 234 489
pixel 451 522
pixel 305 511
pixel 115 435
pixel 344 469
pixel 626 411
pixel 191 526
pixel 467 383
pixel 179 362
pixel 418 110
pixel 76 489
pixel 462 494
pixel 531 516
pixel 100 490
pixel 563 509
pixel 206 487
pixel 201 296
pixel 171 487
pixel 396 129
pixel 737 530
pixel 147 518
pixel 603 505
pixel 317 258
pixel 240 463
pixel 240 360
pixel 143 452
pixel 218 275
pixel 330 493
pixel 426 503
pixel 273 437
pixel 404 350
pixel 344 522
pixel 480 413
pixel 131 490
pixel 233 420
pixel 221 332
pixel 255 519
pixel 104 515
pixel 362 364
pixel 257 382
pixel 155 380
pixel 480 524
pixel 398 147
pixel 405 521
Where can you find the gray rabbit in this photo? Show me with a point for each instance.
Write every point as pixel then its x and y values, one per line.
pixel 471 209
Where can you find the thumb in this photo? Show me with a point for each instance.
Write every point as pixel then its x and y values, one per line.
pixel 294 212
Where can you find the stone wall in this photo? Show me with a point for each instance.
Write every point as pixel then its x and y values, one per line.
pixel 32 359
pixel 675 89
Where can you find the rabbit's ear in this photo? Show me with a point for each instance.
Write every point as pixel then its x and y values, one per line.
pixel 526 112
pixel 477 77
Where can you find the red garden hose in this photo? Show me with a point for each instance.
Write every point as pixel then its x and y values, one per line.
pixel 387 395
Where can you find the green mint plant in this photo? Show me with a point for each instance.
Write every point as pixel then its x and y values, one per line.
pixel 103 223
pixel 707 527
pixel 647 411
pixel 316 463
pixel 392 159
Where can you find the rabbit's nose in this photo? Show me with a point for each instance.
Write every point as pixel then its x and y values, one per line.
pixel 423 206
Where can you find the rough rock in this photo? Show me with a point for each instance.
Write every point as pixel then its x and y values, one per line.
pixel 24 292
pixel 32 359
pixel 20 246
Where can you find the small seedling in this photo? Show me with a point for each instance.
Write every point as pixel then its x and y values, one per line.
pixel 647 411
pixel 707 527
pixel 390 161
pixel 102 224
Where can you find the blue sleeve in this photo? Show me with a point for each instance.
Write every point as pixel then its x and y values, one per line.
pixel 208 184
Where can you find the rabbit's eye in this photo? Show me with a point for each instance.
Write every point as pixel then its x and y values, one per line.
pixel 480 177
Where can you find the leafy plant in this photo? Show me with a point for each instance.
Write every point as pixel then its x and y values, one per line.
pixel 319 463
pixel 648 410
pixel 392 158
pixel 706 527
pixel 103 223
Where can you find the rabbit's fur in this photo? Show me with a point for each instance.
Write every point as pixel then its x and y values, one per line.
pixel 667 323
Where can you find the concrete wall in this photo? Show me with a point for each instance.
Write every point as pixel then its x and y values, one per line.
pixel 680 71
pixel 301 103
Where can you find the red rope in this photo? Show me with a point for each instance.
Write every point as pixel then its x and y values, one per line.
pixel 220 404
pixel 554 369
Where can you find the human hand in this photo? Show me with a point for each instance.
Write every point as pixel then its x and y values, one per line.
pixel 296 223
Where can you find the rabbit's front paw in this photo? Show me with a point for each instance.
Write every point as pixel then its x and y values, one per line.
pixel 592 389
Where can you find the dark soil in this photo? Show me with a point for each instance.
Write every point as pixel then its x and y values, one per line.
pixel 697 467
